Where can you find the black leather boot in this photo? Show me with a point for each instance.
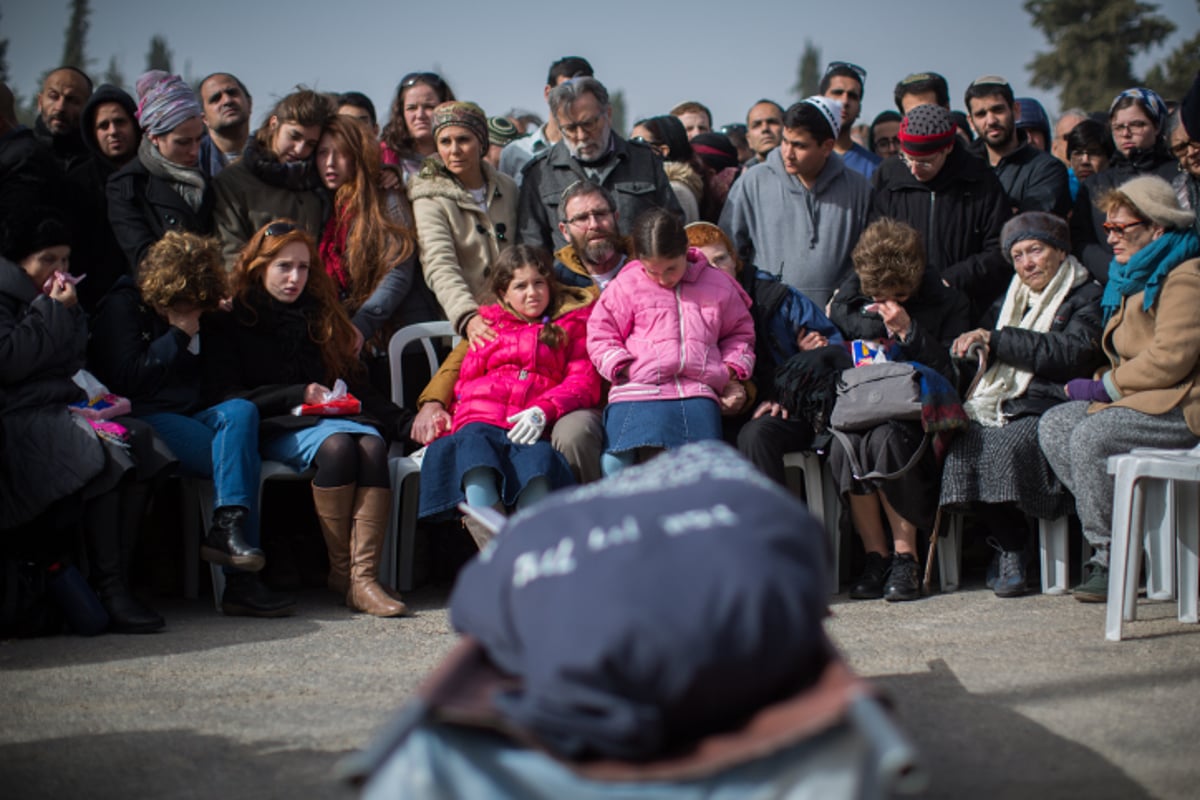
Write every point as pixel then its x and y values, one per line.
pixel 246 596
pixel 105 543
pixel 224 544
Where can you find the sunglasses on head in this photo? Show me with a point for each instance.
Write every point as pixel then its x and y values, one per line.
pixel 279 229
pixel 413 78
pixel 835 66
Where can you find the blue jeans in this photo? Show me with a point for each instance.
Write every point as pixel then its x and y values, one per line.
pixel 220 443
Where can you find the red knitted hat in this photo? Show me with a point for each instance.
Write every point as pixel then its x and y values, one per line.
pixel 926 129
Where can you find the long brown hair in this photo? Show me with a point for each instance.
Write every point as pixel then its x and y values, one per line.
pixel 375 242
pixel 328 326
pixel 303 107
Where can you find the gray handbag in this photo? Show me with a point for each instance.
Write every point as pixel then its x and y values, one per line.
pixel 875 393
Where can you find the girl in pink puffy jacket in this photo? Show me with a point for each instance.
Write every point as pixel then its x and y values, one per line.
pixel 510 391
pixel 676 340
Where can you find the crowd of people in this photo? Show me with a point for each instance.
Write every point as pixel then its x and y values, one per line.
pixel 181 294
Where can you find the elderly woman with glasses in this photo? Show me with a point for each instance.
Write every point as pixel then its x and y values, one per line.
pixel 1149 393
pixel 1136 118
pixel 407 138
pixel 466 214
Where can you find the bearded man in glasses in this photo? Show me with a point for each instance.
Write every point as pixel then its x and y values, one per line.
pixel 589 150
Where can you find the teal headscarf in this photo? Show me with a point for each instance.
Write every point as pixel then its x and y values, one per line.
pixel 1147 269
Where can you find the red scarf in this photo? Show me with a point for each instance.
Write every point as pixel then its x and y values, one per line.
pixel 333 245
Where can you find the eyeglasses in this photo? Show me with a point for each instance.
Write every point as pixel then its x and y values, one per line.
pixel 413 78
pixel 279 229
pixel 909 161
pixel 1119 229
pixel 835 66
pixel 1181 149
pixel 889 143
pixel 644 140
pixel 587 126
pixel 595 217
pixel 1125 129
pixel 733 127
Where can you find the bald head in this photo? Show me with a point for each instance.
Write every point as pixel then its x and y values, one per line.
pixel 61 100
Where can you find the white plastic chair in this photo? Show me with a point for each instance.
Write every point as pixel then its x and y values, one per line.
pixel 821 496
pixel 1157 494
pixel 1052 548
pixel 405 470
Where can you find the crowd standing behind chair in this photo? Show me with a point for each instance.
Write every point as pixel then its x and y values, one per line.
pixel 327 232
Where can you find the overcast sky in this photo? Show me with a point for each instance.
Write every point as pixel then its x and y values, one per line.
pixel 724 54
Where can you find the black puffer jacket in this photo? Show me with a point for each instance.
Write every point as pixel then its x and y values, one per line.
pixel 262 351
pixel 1089 242
pixel 959 215
pixel 1070 349
pixel 140 356
pixel 143 207
pixel 939 314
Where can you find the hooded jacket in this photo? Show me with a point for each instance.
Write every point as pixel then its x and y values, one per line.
pixel 801 236
pixel 654 343
pixel 98 254
pixel 959 214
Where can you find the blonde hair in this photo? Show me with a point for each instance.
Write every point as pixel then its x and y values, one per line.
pixel 889 257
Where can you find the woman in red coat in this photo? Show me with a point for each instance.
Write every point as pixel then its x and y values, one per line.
pixel 510 392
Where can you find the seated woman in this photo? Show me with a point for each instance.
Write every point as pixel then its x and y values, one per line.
pixel 785 323
pixel 51 457
pixel 1149 393
pixel 892 299
pixel 142 348
pixel 368 246
pixel 465 211
pixel 284 344
pixel 276 177
pixel 676 340
pixel 510 392
pixel 163 188
pixel 1047 332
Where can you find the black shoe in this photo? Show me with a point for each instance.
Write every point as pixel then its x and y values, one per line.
pixel 904 580
pixel 1010 578
pixel 245 596
pixel 127 615
pixel 224 544
pixel 869 586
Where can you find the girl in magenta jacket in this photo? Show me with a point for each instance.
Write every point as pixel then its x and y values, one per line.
pixel 675 339
pixel 510 392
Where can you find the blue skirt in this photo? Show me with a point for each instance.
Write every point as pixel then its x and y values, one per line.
pixel 660 423
pixel 298 448
pixel 483 445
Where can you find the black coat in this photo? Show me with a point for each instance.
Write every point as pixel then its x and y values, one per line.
pixel 143 207
pixel 30 178
pixel 959 215
pixel 262 351
pixel 939 314
pixel 1033 179
pixel 46 453
pixel 1070 349
pixel 138 355
pixel 1089 242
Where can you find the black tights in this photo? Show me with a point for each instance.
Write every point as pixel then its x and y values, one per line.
pixel 346 458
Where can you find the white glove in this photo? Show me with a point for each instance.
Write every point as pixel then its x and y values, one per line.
pixel 527 425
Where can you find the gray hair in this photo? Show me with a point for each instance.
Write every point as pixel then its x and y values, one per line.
pixel 566 93
pixel 583 189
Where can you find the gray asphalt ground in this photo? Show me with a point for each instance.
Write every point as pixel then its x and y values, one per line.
pixel 1017 698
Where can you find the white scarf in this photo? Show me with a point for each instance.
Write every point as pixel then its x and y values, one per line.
pixel 1032 311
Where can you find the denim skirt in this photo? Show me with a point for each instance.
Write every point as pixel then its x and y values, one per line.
pixel 660 423
pixel 298 448
pixel 481 445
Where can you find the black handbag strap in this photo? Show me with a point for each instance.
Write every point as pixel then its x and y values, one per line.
pixel 875 475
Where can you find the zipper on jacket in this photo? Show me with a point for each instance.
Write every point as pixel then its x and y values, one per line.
pixel 682 334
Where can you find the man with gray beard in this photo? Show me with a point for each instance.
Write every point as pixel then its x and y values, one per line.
pixel 589 150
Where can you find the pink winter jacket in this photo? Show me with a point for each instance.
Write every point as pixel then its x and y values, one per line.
pixel 676 343
pixel 515 371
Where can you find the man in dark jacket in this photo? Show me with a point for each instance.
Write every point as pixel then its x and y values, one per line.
pixel 110 131
pixel 1033 180
pixel 953 199
pixel 29 175
pixel 60 104
pixel 588 150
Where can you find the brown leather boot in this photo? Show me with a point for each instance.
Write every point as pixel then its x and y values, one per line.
pixel 371 508
pixel 335 509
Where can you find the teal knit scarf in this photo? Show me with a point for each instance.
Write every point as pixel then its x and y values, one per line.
pixel 1147 269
